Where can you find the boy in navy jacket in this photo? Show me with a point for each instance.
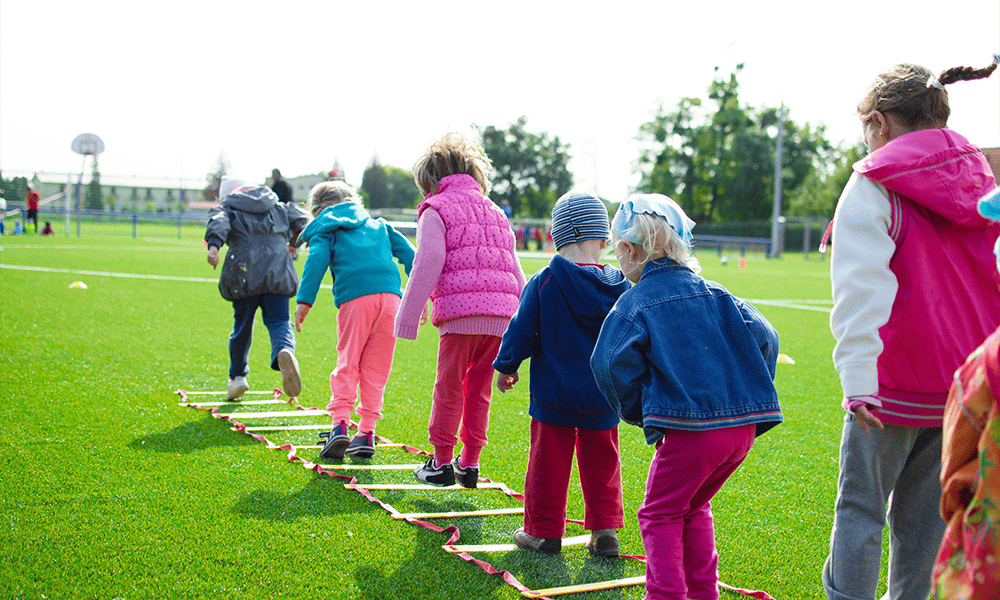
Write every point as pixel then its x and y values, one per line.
pixel 557 323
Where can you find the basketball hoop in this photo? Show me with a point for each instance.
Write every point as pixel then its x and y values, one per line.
pixel 87 144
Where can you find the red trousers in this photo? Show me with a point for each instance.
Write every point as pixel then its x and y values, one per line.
pixel 462 394
pixel 546 482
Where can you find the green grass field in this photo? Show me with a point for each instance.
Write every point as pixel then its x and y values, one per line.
pixel 109 489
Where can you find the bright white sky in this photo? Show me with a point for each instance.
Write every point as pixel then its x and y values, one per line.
pixel 295 85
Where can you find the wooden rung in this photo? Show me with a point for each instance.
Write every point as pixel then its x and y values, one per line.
pixel 586 587
pixel 279 413
pixel 232 403
pixel 285 428
pixel 315 447
pixel 415 486
pixel 468 513
pixel 361 467
pixel 222 393
pixel 455 548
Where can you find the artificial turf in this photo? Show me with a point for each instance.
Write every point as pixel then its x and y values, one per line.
pixel 110 489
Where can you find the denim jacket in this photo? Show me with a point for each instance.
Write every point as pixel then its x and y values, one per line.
pixel 680 352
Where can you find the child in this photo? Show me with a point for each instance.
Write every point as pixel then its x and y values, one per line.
pixel 915 291
pixel 694 367
pixel 258 273
pixel 358 251
pixel 48 229
pixel 465 263
pixel 967 565
pixel 556 325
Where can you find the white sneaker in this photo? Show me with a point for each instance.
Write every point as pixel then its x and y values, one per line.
pixel 237 386
pixel 291 381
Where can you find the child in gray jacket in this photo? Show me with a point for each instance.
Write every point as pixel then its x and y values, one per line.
pixel 262 235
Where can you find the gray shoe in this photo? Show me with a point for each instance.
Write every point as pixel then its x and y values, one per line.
pixel 237 386
pixel 603 542
pixel 546 546
pixel 291 381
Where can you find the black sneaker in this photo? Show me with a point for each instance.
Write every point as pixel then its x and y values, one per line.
pixel 362 446
pixel 442 476
pixel 467 477
pixel 546 546
pixel 337 441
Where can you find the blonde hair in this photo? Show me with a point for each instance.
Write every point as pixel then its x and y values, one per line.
pixel 907 92
pixel 451 155
pixel 657 239
pixel 329 193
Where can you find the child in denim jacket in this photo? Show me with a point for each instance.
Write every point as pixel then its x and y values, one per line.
pixel 694 367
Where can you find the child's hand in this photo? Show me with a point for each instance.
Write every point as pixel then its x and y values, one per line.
pixel 425 313
pixel 866 419
pixel 505 381
pixel 293 251
pixel 300 315
pixel 213 257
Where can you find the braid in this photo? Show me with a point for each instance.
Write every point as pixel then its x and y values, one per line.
pixel 965 74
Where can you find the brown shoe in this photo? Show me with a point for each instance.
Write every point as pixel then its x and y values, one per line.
pixel 291 381
pixel 546 546
pixel 604 542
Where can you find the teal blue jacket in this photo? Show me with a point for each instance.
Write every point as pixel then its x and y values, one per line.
pixel 358 251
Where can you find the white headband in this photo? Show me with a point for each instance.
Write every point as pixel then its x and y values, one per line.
pixel 933 81
pixel 653 204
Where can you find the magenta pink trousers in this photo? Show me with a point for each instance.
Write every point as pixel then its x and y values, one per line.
pixel 364 358
pixel 687 470
pixel 462 394
pixel 546 482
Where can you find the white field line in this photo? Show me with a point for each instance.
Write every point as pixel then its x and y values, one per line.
pixel 799 304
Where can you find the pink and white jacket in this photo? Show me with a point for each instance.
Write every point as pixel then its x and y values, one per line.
pixel 915 283
pixel 465 262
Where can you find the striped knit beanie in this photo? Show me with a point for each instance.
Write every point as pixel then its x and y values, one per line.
pixel 578 216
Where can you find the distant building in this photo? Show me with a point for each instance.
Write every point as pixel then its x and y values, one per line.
pixel 127 194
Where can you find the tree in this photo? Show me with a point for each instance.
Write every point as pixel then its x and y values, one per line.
pixel 720 164
pixel 14 189
pixel 531 170
pixel 403 190
pixel 94 198
pixel 818 194
pixel 375 185
pixel 211 191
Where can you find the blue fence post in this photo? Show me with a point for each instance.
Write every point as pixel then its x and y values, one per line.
pixel 135 220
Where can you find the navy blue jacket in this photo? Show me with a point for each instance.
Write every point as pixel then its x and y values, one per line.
pixel 556 325
pixel 680 352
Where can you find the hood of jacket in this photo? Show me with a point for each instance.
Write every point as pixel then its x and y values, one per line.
pixel 346 215
pixel 590 297
pixel 256 200
pixel 937 169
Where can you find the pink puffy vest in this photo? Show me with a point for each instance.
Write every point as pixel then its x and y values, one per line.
pixel 479 266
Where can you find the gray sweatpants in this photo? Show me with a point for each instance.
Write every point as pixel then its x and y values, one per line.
pixel 906 463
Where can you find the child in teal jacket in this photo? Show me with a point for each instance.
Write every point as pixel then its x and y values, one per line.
pixel 358 251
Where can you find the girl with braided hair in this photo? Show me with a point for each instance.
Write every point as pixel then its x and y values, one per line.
pixel 915 290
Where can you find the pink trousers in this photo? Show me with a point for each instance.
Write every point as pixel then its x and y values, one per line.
pixel 462 394
pixel 687 470
pixel 364 358
pixel 546 482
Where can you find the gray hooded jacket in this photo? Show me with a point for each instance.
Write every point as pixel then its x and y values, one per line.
pixel 258 230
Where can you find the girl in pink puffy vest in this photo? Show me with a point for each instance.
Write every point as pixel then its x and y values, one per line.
pixel 465 263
